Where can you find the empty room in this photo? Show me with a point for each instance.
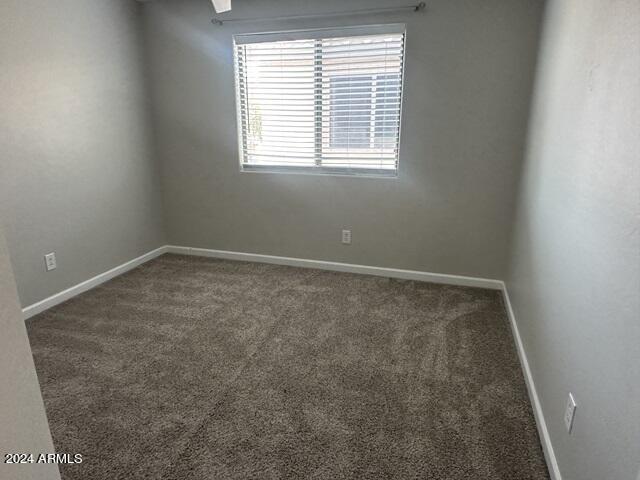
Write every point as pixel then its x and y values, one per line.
pixel 286 239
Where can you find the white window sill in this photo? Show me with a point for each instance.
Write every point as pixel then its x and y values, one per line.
pixel 335 171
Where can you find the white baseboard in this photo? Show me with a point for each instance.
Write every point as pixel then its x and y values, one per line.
pixel 343 267
pixel 60 297
pixel 547 446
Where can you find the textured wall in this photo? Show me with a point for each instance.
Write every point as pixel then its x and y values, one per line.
pixel 575 276
pixel 77 174
pixel 469 70
pixel 22 416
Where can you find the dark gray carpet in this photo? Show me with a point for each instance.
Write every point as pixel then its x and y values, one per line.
pixel 191 368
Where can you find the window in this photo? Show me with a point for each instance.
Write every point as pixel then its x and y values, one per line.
pixel 322 101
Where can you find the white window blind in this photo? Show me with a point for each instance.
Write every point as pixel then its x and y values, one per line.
pixel 321 101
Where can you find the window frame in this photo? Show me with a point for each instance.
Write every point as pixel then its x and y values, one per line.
pixel 318 34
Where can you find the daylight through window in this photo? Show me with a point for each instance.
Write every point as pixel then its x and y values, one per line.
pixel 321 101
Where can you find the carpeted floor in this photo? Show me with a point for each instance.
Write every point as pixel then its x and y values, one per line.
pixel 192 368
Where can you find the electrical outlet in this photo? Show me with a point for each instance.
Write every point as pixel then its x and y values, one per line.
pixel 50 261
pixel 346 237
pixel 570 413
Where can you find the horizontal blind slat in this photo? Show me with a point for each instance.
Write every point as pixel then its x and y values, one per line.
pixel 364 68
pixel 344 159
pixel 309 46
pixel 385 57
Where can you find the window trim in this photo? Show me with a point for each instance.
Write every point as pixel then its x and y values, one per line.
pixel 317 34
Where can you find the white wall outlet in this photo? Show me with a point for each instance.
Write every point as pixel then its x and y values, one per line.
pixel 50 261
pixel 346 237
pixel 570 413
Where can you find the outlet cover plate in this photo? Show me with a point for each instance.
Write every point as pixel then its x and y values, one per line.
pixel 50 261
pixel 570 413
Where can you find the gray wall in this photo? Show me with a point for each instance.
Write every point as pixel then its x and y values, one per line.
pixel 575 272
pixel 77 173
pixel 22 416
pixel 469 71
